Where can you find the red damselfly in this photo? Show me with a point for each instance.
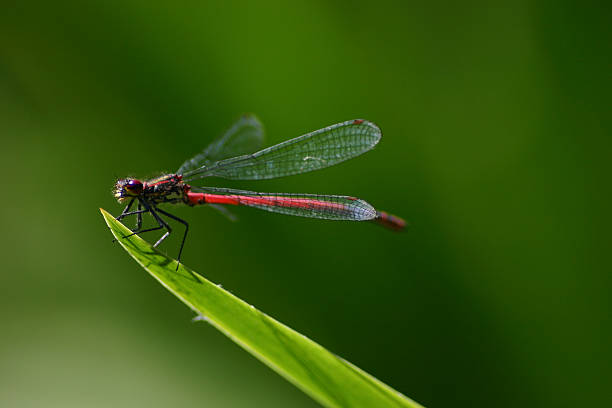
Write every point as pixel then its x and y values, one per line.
pixel 231 157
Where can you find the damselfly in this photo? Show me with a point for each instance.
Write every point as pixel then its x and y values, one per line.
pixel 230 157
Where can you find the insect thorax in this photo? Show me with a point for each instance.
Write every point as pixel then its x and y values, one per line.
pixel 165 189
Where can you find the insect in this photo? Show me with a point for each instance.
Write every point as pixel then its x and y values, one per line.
pixel 230 157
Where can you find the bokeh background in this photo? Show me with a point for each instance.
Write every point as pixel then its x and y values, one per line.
pixel 496 148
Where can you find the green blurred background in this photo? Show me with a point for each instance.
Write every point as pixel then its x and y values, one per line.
pixel 496 147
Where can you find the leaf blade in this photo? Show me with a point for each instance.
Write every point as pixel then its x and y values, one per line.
pixel 327 378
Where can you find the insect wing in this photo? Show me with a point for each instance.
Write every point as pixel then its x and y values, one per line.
pixel 329 207
pixel 245 136
pixel 319 149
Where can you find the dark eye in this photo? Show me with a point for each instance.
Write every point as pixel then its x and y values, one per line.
pixel 134 185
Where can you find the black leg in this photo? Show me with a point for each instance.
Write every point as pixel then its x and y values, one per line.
pixel 178 263
pixel 135 212
pixel 174 217
pixel 160 223
pixel 139 223
pixel 139 218
pixel 139 212
pixel 146 230
pixel 125 210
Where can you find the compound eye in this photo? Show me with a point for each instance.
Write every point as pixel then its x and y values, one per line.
pixel 134 186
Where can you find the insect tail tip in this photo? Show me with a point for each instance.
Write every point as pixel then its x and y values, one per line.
pixel 390 221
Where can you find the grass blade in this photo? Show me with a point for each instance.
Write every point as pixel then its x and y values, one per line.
pixel 324 376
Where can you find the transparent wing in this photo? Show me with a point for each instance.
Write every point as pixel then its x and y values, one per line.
pixel 245 136
pixel 329 207
pixel 319 149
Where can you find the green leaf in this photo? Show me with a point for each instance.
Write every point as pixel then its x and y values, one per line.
pixel 327 378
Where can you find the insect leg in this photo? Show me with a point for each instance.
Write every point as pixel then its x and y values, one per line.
pixel 135 212
pixel 163 224
pixel 139 219
pixel 160 223
pixel 184 235
pixel 178 260
pixel 125 210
